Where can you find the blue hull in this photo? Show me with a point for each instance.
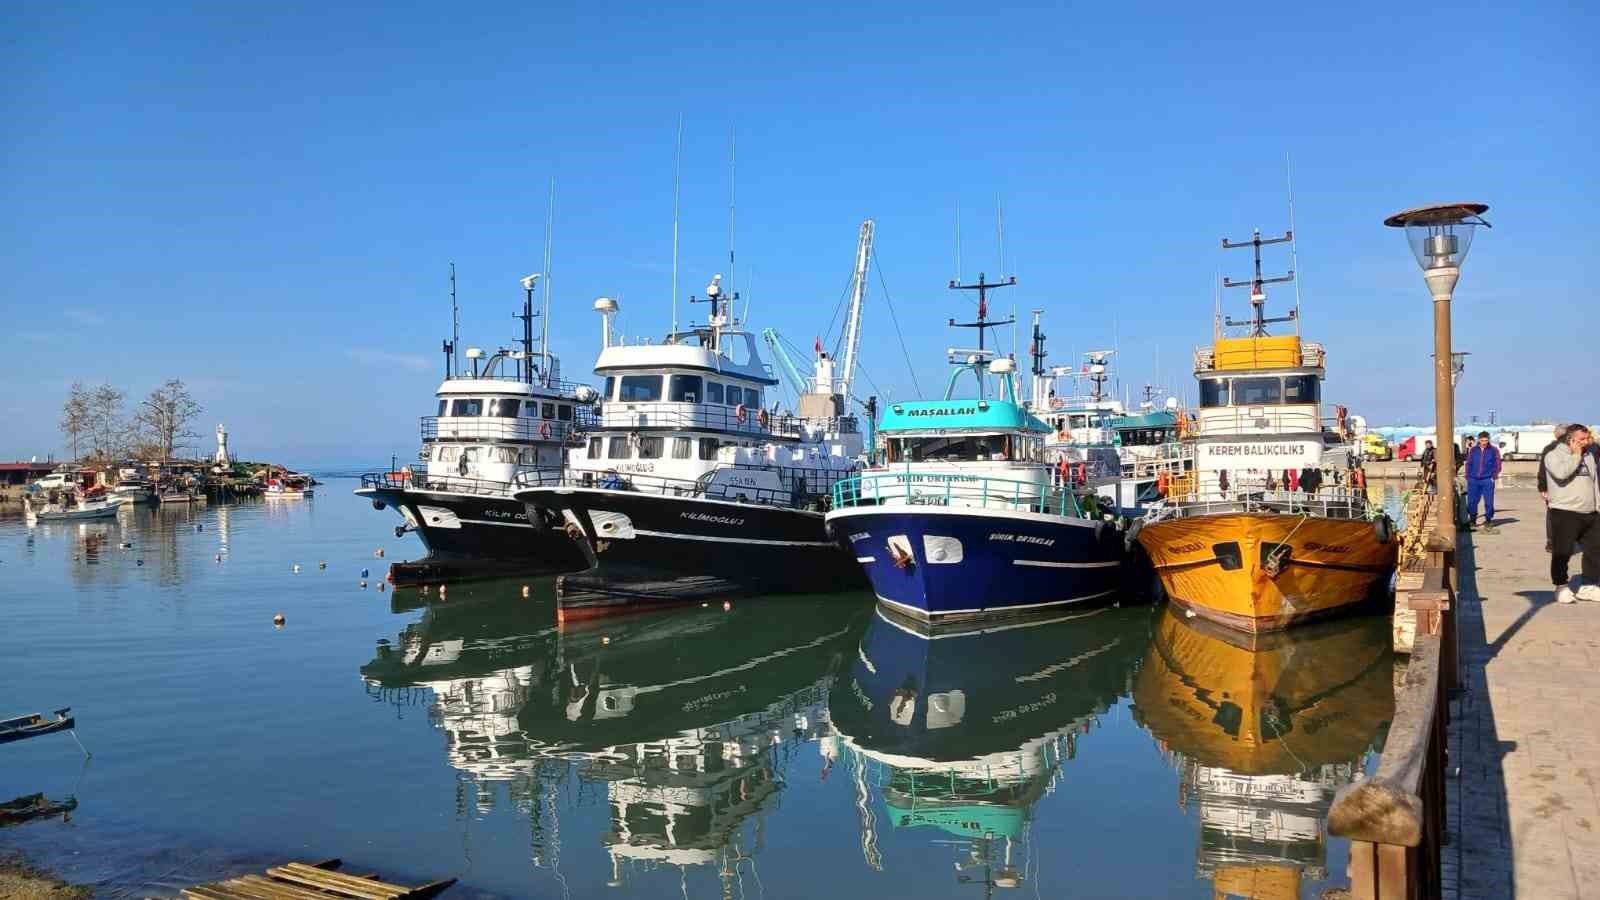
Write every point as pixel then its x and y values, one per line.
pixel 969 563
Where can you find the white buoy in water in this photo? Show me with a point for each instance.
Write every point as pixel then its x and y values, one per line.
pixel 524 590
pixel 277 620
pixel 605 640
pixel 378 552
pixel 323 564
pixel 363 585
pixel 296 567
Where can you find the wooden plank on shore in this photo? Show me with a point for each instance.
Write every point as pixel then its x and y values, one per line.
pixel 273 889
pixel 347 885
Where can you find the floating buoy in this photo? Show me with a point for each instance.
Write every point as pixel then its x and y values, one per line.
pixel 442 589
pixel 705 606
pixel 127 545
pixel 277 620
pixel 524 590
pixel 363 585
pixel 378 552
pixel 605 640
pixel 324 565
pixel 727 605
pixel 296 567
pixel 363 571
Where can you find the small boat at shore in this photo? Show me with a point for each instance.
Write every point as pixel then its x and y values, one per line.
pixel 69 507
pixel 181 495
pixel 34 725
pixel 289 487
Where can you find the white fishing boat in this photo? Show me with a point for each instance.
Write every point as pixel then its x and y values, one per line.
pixel 64 507
pixel 289 487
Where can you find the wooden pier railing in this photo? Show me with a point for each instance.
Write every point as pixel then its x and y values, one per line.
pixel 1395 820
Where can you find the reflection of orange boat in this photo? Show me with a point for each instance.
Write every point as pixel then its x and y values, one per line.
pixel 1264 737
pixel 1269 528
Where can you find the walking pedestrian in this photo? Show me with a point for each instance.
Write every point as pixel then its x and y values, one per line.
pixel 1544 486
pixel 1574 513
pixel 1483 470
pixel 1430 458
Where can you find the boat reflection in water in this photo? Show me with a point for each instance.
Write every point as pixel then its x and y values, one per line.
pixel 1262 738
pixel 689 721
pixel 962 732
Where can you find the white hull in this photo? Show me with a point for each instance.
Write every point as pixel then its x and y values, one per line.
pixel 97 510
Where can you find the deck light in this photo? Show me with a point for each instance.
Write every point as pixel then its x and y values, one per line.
pixel 1440 236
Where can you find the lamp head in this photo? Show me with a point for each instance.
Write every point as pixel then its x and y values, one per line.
pixel 1440 235
pixel 528 282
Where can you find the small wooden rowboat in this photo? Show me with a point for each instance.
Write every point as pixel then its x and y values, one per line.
pixel 35 725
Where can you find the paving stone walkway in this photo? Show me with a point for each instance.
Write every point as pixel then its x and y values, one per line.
pixel 1525 810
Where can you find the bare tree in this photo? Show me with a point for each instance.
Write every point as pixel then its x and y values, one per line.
pixel 107 428
pixel 164 417
pixel 75 416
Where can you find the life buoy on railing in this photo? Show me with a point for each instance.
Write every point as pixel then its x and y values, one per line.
pixel 1063 470
pixel 1081 476
pixel 1163 484
pixel 544 430
pixel 739 413
pixel 763 419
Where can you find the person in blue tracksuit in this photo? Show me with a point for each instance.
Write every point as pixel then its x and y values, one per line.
pixel 1482 469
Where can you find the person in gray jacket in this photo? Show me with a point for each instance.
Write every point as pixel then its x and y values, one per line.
pixel 1574 491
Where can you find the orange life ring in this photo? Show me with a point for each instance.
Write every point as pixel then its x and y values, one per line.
pixel 763 419
pixel 544 429
pixel 739 412
pixel 1163 483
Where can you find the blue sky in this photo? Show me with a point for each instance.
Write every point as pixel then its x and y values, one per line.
pixel 264 202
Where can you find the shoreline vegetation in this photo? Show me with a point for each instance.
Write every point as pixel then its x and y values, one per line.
pixel 21 880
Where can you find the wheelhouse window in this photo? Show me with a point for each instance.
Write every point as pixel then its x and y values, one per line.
pixel 713 392
pixel 595 447
pixel 1302 389
pixel 949 448
pixel 618 448
pixel 505 408
pixel 752 398
pixel 1213 392
pixel 682 448
pixel 686 389
pixel 503 455
pixel 611 388
pixel 640 389
pixel 708 448
pixel 466 406
pixel 448 453
pixel 1257 391
pixel 564 413
pixel 443 405
pixel 547 410
pixel 650 447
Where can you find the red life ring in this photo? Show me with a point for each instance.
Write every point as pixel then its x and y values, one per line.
pixel 1082 473
pixel 740 413
pixel 763 419
pixel 544 429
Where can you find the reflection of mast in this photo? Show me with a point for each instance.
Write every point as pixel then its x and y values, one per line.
pixel 869 823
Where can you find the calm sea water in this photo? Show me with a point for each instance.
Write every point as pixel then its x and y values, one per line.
pixel 781 747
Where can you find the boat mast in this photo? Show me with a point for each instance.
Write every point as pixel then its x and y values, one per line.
pixel 983 288
pixel 1258 295
pixel 1036 350
pixel 525 373
pixel 982 324
pixel 453 362
pixel 858 293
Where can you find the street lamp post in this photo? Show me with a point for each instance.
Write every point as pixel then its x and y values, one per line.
pixel 1440 237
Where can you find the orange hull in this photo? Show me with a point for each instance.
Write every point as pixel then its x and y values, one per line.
pixel 1219 567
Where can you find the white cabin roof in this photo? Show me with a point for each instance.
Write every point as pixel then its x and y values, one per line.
pixel 452 387
pixel 685 356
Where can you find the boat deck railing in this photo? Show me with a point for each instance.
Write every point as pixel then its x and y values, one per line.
pixel 799 486
pixel 455 484
pixel 1332 501
pixel 710 416
pixel 908 488
pixel 486 428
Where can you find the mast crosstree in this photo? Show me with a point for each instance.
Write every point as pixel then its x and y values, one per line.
pixel 1258 295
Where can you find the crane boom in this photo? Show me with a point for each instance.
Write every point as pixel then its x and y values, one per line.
pixel 786 364
pixel 858 293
